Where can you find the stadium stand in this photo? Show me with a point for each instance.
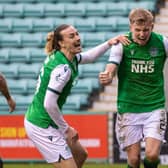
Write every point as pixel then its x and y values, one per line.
pixel 23 28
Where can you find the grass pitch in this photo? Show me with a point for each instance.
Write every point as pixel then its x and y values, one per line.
pixel 95 165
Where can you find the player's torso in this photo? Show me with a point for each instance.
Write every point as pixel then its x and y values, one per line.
pixel 141 72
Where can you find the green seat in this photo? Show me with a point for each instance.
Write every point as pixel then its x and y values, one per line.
pixel 37 55
pixel 66 20
pixel 54 10
pixel 83 86
pixel 17 86
pixel 22 102
pixel 91 70
pixel 104 57
pixel 117 9
pixel 3 105
pixel 122 24
pixel 4 55
pixel 31 86
pixel 25 1
pixel 86 85
pixel 43 25
pixel 93 39
pixel 95 9
pixel 10 40
pixel 29 71
pixel 67 1
pixel 32 40
pixel 12 10
pixel 46 1
pixel 75 101
pixel 85 24
pixel 150 5
pixel 97 1
pixel 10 70
pixel 6 25
pixel 33 10
pixel 1 11
pixel 106 24
pixel 21 55
pixel 22 25
pixel 74 9
pixel 8 1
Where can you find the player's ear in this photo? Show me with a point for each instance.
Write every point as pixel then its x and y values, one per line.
pixel 61 44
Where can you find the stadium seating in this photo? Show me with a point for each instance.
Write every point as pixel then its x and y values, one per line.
pixel 35 10
pixel 54 10
pixel 72 9
pixel 22 102
pixel 10 40
pixel 6 25
pixel 32 40
pixel 100 9
pixel 108 24
pixel 4 56
pixel 23 29
pixel 92 39
pixel 37 55
pixel 10 71
pixel 21 25
pixel 17 86
pixel 122 24
pixel 117 9
pixel 43 25
pixel 75 101
pixel 88 71
pixel 12 10
pixel 29 71
pixel 20 55
pixel 85 24
pixel 85 85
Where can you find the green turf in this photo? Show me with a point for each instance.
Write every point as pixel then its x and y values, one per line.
pixel 98 165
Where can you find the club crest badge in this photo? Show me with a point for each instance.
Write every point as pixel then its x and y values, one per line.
pixel 153 51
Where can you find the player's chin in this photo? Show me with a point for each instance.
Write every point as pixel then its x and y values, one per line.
pixel 142 42
pixel 79 49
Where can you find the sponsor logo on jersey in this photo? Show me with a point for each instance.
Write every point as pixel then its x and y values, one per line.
pixel 57 78
pixel 141 66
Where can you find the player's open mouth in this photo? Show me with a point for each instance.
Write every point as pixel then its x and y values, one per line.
pixel 77 45
pixel 142 39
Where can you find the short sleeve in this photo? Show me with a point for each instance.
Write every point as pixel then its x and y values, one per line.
pixel 116 53
pixel 165 41
pixel 59 78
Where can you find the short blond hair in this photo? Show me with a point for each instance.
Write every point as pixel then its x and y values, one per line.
pixel 141 16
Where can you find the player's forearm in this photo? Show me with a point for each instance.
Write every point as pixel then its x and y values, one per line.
pixel 54 111
pixel 94 53
pixel 4 88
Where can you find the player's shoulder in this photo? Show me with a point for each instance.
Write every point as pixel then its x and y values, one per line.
pixel 61 69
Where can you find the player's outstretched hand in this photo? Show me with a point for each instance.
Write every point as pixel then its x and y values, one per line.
pixel 105 78
pixel 71 135
pixel 120 38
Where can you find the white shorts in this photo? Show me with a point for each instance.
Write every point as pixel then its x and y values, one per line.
pixel 50 142
pixel 133 127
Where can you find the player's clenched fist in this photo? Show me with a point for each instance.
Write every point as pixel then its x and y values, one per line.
pixel 105 77
pixel 71 135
